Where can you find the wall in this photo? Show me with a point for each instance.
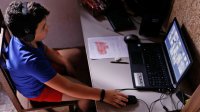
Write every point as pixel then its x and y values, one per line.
pixel 64 22
pixel 188 15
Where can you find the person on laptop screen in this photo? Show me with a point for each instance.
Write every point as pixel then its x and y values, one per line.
pixel 30 61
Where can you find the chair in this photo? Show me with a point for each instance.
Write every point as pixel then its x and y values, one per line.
pixel 10 89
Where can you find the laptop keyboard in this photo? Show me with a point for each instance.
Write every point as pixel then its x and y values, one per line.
pixel 156 66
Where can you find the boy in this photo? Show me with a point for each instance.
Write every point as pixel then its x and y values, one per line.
pixel 29 61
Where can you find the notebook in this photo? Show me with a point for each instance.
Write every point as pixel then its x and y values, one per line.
pixel 160 66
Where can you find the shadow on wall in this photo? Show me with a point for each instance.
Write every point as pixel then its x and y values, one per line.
pixel 64 22
pixel 192 78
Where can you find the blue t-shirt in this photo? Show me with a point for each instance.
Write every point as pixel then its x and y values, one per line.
pixel 29 67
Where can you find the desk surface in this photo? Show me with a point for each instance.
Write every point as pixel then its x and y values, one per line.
pixel 117 76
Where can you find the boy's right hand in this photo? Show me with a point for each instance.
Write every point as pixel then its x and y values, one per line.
pixel 115 98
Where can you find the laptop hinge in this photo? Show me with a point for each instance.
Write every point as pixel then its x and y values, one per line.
pixel 169 68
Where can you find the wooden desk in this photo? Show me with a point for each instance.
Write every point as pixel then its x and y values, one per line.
pixel 117 76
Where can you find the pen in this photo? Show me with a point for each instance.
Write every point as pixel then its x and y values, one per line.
pixel 119 62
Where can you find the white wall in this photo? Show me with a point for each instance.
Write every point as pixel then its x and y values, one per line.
pixel 64 22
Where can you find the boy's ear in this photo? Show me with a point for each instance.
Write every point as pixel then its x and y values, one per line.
pixel 28 35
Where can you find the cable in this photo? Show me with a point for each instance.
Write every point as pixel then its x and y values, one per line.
pixel 162 97
pixel 182 106
pixel 159 99
pixel 126 89
pixel 183 98
pixel 135 21
pixel 173 101
pixel 150 109
pixel 152 104
pixel 145 104
pixel 175 105
pixel 164 107
pixel 178 103
pixel 137 99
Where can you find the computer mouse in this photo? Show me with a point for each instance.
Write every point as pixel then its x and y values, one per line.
pixel 131 99
pixel 131 38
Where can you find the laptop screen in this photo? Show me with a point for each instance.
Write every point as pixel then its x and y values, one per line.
pixel 176 49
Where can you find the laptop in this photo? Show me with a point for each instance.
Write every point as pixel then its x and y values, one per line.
pixel 160 66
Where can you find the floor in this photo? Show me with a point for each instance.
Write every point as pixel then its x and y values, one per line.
pixel 5 103
pixel 60 109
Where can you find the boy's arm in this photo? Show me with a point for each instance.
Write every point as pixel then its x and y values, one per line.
pixel 76 90
pixel 55 57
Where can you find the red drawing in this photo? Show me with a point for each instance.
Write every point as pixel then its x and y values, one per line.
pixel 101 47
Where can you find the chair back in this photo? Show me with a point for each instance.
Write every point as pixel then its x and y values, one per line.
pixel 7 82
pixel 5 78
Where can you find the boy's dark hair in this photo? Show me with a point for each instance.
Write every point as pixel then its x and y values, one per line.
pixel 18 22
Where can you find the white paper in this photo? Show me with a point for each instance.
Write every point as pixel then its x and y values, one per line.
pixel 107 47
